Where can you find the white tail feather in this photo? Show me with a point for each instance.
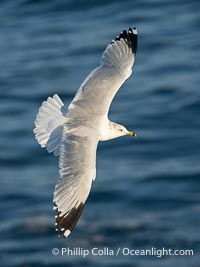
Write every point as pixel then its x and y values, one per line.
pixel 49 124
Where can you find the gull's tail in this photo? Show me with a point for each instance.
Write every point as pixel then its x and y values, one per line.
pixel 49 124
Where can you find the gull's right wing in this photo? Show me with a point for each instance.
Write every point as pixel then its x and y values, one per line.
pixel 99 88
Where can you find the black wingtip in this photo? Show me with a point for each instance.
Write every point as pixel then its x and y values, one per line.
pixel 130 38
pixel 64 225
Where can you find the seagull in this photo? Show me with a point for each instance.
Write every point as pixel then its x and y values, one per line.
pixel 73 134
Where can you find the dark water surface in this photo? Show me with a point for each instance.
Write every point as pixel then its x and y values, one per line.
pixel 147 191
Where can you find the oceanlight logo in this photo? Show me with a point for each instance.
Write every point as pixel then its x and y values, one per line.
pixel 157 252
pixel 106 251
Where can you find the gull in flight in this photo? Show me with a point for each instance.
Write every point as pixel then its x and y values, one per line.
pixel 74 133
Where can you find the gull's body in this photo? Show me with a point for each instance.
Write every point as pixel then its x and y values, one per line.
pixel 74 134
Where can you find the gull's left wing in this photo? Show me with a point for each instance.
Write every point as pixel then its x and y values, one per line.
pixel 77 164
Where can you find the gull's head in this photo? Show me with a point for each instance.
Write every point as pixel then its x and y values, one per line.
pixel 120 130
pixel 114 130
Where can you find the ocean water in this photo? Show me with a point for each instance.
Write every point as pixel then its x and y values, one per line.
pixel 147 191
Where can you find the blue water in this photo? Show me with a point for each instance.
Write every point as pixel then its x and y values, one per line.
pixel 147 191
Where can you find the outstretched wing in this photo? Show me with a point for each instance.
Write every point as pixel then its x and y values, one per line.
pixel 97 91
pixel 77 166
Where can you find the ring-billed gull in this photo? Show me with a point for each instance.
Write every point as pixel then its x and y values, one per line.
pixel 74 134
